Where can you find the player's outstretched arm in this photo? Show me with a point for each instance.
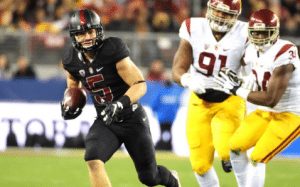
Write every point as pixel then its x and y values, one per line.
pixel 268 96
pixel 129 72
pixel 276 87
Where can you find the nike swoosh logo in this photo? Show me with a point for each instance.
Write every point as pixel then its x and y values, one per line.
pixel 99 69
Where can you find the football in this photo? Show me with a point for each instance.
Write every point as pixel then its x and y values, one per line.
pixel 75 98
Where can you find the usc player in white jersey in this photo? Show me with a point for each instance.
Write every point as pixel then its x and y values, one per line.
pixel 276 122
pixel 207 45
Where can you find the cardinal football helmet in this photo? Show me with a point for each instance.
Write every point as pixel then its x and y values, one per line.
pixel 82 21
pixel 264 21
pixel 231 8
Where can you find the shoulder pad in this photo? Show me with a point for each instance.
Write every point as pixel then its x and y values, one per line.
pixel 116 43
pixel 68 55
pixel 114 46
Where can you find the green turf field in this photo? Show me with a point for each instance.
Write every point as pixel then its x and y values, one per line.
pixel 66 168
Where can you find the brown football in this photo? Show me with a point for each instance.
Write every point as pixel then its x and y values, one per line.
pixel 75 98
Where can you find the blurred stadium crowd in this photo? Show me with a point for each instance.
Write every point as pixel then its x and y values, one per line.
pixel 33 18
pixel 131 15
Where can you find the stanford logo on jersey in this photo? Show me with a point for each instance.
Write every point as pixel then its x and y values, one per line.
pixel 91 70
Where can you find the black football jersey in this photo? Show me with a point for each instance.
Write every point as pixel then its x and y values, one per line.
pixel 100 76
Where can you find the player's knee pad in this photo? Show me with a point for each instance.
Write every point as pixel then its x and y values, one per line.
pixel 148 178
pixel 201 166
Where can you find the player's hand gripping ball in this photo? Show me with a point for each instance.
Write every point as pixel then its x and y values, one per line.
pixel 73 102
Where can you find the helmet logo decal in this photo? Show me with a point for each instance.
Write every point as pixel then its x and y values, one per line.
pixel 223 6
pixel 275 18
pixel 259 25
pixel 82 17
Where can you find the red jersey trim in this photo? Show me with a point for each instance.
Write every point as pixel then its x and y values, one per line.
pixel 283 50
pixel 188 25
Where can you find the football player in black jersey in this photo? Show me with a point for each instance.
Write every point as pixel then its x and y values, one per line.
pixel 104 68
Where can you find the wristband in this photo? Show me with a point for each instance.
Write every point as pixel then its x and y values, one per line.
pixel 125 101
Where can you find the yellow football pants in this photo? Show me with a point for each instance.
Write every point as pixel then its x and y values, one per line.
pixel 268 132
pixel 209 128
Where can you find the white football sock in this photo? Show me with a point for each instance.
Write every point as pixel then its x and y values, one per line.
pixel 209 179
pixel 256 176
pixel 240 165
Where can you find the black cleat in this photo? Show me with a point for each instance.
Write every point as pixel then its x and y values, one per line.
pixel 226 165
pixel 176 176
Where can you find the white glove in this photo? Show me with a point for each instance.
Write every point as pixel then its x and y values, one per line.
pixel 193 83
pixel 250 83
pixel 231 85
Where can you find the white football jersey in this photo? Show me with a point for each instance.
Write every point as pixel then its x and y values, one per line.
pixel 210 55
pixel 281 53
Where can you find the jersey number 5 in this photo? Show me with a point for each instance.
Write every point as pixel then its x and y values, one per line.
pixel 208 68
pixel 100 93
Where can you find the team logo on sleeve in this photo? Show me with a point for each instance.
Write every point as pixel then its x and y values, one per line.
pixel 82 73
pixel 206 46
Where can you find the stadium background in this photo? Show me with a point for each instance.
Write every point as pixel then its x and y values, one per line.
pixel 35 32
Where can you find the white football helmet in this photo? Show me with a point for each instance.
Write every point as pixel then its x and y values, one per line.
pixel 231 9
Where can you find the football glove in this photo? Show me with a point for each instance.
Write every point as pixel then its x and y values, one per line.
pixel 67 113
pixel 112 110
pixel 193 83
pixel 230 83
pixel 250 83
